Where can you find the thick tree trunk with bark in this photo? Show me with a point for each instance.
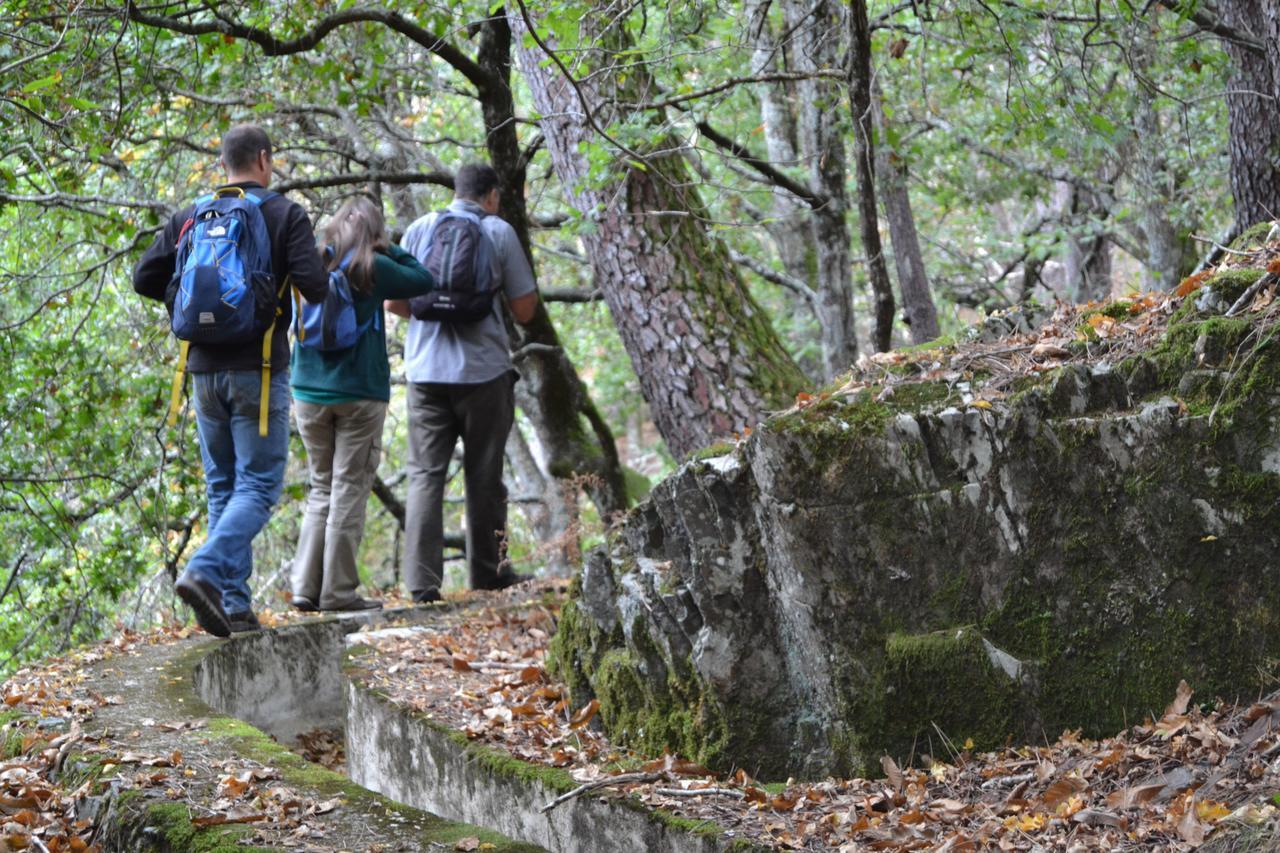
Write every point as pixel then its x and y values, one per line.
pixel 578 444
pixel 864 133
pixel 816 46
pixel 1254 112
pixel 708 360
pixel 913 280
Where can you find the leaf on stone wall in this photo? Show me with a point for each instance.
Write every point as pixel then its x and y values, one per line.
pixel 1180 700
pixel 584 714
pixel 891 772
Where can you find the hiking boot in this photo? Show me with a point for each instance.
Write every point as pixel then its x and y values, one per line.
pixel 354 605
pixel 205 600
pixel 303 604
pixel 243 623
pixel 506 580
pixel 427 597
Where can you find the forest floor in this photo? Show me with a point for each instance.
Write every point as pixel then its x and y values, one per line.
pixel 1165 784
pixel 1200 770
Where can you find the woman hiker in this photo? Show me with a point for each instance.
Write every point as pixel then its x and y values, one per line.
pixel 340 402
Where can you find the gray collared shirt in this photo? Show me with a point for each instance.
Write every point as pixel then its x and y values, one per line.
pixel 467 353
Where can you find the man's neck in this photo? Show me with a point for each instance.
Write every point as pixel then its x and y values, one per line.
pixel 245 179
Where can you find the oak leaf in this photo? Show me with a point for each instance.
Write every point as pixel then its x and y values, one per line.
pixel 584 714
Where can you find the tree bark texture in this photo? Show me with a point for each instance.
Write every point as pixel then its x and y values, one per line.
pixel 864 155
pixel 1087 260
pixel 708 360
pixel 913 279
pixel 788 224
pixel 578 444
pixel 1156 181
pixel 818 28
pixel 1254 113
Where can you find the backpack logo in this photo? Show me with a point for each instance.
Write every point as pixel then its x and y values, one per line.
pixel 459 256
pixel 223 290
pixel 331 325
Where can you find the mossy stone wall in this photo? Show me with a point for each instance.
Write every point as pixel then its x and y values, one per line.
pixel 1106 532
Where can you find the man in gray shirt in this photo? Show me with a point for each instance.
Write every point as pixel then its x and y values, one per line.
pixel 461 386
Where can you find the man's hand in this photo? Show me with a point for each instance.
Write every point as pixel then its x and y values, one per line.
pixel 399 307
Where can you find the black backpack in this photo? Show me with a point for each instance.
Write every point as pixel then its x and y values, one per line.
pixel 459 256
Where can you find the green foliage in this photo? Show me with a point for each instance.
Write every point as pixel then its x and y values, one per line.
pixel 995 110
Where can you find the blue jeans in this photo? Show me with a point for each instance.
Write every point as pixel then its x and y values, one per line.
pixel 244 474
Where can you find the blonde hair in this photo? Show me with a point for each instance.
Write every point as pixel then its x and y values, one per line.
pixel 358 227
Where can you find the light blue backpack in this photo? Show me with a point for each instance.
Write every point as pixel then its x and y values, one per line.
pixel 331 325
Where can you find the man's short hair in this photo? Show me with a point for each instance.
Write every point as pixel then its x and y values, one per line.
pixel 240 147
pixel 474 181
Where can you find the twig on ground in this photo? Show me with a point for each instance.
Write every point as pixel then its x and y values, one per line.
pixel 699 792
pixel 1008 780
pixel 1246 298
pixel 607 781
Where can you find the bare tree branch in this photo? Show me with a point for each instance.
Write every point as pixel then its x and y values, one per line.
pixel 1197 15
pixel 778 77
pixel 764 167
pixel 442 179
pixel 273 46
pixel 773 276
pixel 570 294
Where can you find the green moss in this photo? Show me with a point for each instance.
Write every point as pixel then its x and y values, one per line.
pixel 638 485
pixel 172 822
pixel 1229 284
pixel 1120 309
pixel 711 451
pixel 945 679
pixel 1252 237
pixel 12 733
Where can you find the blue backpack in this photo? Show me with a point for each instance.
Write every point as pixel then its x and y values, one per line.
pixel 331 325
pixel 223 290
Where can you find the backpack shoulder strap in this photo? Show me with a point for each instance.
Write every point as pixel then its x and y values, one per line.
pixel 260 195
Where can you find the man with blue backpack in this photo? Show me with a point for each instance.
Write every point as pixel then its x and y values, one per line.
pixel 222 266
pixel 461 380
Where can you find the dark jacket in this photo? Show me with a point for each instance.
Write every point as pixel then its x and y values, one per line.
pixel 293 254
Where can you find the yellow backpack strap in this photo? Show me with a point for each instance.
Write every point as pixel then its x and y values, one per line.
pixel 265 399
pixel 297 315
pixel 175 401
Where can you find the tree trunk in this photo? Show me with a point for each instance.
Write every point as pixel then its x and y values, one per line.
pixel 1087 261
pixel 575 439
pixel 554 517
pixel 913 280
pixel 864 130
pixel 1254 118
pixel 789 220
pixel 1163 265
pixel 708 361
pixel 816 46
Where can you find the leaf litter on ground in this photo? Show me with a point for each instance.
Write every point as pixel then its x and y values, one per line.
pixel 1168 783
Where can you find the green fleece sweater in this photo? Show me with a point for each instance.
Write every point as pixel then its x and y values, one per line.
pixel 361 372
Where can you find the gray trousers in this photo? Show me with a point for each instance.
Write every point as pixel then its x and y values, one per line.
pixel 439 414
pixel 344 446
